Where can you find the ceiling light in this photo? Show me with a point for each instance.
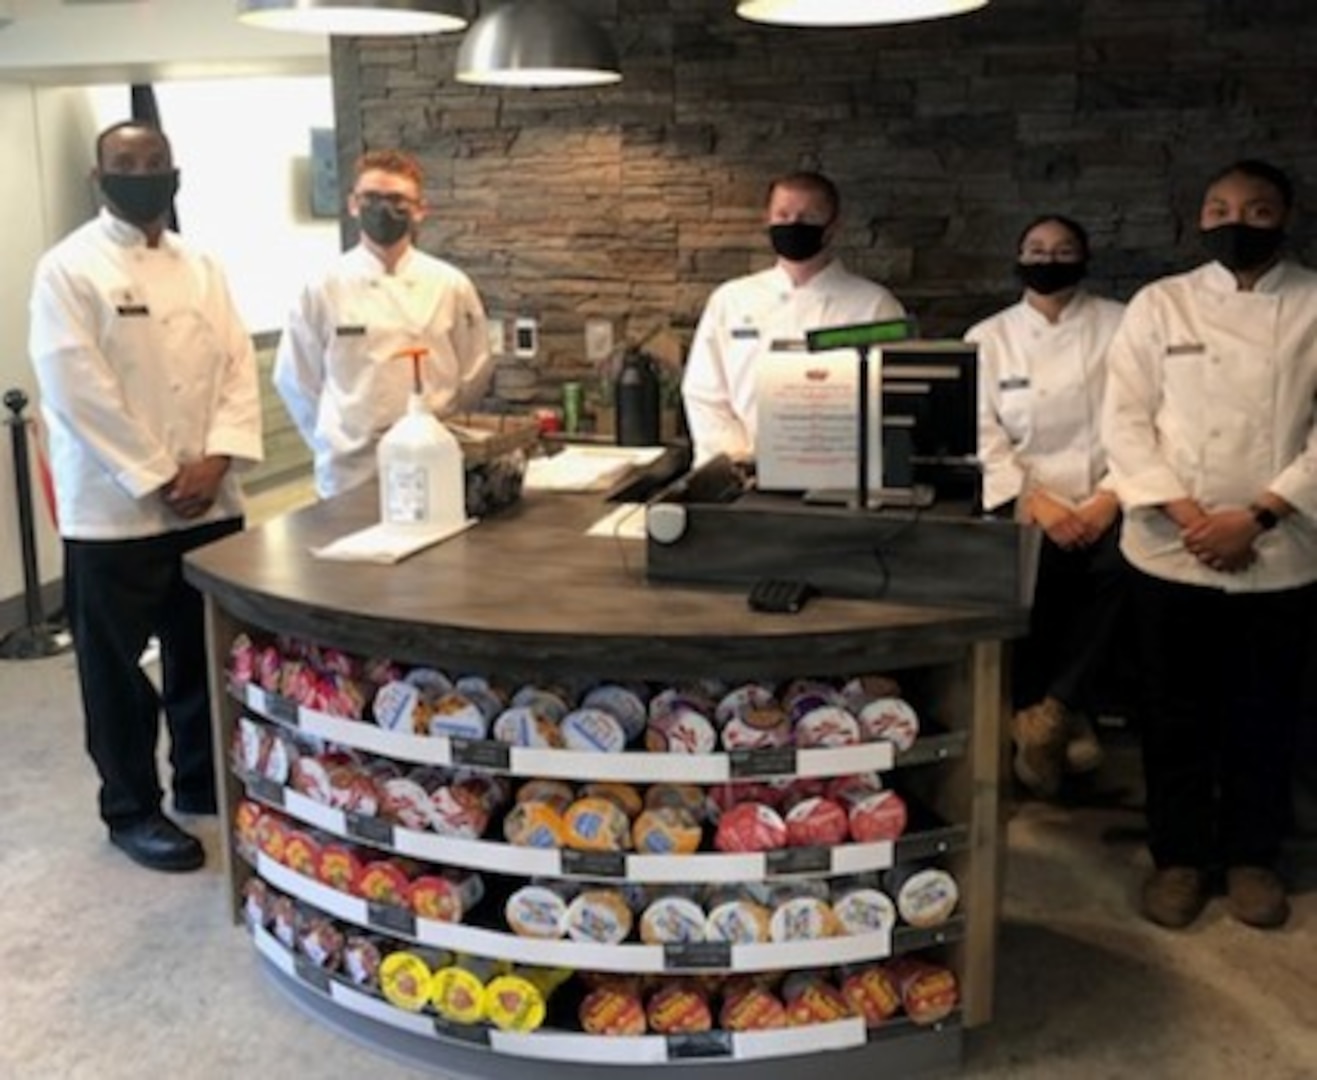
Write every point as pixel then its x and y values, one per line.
pixel 851 12
pixel 537 43
pixel 355 17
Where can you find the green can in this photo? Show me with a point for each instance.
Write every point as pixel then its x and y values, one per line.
pixel 573 397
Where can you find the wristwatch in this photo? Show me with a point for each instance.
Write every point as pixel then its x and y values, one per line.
pixel 1266 518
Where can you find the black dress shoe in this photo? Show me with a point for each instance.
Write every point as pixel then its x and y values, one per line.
pixel 158 844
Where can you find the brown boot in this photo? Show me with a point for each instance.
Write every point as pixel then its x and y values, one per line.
pixel 1040 741
pixel 1175 896
pixel 1256 897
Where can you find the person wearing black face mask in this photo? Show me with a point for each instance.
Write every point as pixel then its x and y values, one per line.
pixel 1041 377
pixel 1210 431
pixel 807 288
pixel 149 391
pixel 335 366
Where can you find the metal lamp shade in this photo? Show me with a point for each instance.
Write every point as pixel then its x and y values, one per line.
pixel 355 17
pixel 537 43
pixel 851 12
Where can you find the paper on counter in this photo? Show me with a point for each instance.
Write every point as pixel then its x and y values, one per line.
pixel 625 522
pixel 586 468
pixel 387 544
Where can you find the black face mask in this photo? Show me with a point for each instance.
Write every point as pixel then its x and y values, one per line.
pixel 1047 278
pixel 1242 247
pixel 797 241
pixel 383 223
pixel 141 198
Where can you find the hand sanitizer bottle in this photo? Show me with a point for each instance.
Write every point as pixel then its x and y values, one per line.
pixel 422 475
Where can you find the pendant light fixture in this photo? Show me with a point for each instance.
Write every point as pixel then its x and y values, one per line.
pixel 537 43
pixel 851 12
pixel 355 17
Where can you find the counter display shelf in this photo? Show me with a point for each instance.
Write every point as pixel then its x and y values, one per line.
pixel 527 597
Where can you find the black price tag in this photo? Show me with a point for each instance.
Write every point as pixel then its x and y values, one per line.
pixel 702 1044
pixel 395 920
pixel 369 830
pixel 602 864
pixel 266 791
pixel 312 974
pixel 698 954
pixel 804 860
pixel 476 1034
pixel 480 754
pixel 778 761
pixel 280 709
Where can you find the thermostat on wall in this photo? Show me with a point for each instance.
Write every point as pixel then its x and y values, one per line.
pixel 526 338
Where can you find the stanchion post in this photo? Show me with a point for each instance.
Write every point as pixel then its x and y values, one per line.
pixel 38 638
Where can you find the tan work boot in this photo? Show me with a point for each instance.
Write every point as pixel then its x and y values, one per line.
pixel 1256 897
pixel 1040 744
pixel 1083 752
pixel 1175 896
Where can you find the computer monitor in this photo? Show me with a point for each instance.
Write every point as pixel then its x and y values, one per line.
pixel 930 418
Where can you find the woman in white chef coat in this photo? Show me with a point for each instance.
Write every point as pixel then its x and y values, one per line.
pixel 337 368
pixel 1211 436
pixel 1042 369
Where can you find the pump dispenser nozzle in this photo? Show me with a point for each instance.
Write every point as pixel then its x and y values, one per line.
pixel 417 354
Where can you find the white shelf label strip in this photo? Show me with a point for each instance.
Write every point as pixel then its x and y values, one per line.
pixel 566 1046
pixel 629 767
pixel 784 1042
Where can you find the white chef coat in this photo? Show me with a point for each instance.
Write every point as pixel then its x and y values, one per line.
pixel 143 364
pixel 1040 398
pixel 336 369
pixel 1212 395
pixel 741 322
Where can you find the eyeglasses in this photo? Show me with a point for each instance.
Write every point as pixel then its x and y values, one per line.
pixel 393 198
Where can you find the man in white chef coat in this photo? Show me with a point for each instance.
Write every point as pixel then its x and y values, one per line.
pixel 149 391
pixel 807 288
pixel 1210 425
pixel 337 366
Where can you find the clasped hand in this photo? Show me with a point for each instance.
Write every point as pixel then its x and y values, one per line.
pixel 1222 540
pixel 1072 527
pixel 193 488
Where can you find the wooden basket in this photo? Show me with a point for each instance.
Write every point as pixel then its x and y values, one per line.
pixel 486 437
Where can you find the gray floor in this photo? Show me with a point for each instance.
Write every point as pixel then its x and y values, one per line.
pixel 108 971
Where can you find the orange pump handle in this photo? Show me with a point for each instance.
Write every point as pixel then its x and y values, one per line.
pixel 417 353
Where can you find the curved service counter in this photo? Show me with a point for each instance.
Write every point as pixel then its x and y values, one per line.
pixel 527 599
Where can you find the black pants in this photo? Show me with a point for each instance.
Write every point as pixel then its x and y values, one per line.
pixel 1221 678
pixel 118 594
pixel 1079 601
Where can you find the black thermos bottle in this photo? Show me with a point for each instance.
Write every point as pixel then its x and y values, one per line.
pixel 637 397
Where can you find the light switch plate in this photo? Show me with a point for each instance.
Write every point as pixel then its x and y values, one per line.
pixel 598 340
pixel 497 340
pixel 526 340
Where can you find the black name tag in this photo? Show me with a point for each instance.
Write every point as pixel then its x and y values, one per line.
pixel 745 333
pixel 778 761
pixel 393 919
pixel 133 311
pixel 480 754
pixel 311 974
pixel 1017 382
pixel 805 860
pixel 266 791
pixel 281 709
pixel 476 1034
pixel 349 331
pixel 698 954
pixel 703 1044
pixel 605 864
pixel 370 830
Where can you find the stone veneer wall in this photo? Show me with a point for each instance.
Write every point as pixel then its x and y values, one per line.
pixel 632 202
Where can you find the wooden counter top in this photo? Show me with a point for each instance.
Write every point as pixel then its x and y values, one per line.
pixel 527 590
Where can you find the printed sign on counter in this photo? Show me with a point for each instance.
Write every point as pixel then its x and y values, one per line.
pixel 808 420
